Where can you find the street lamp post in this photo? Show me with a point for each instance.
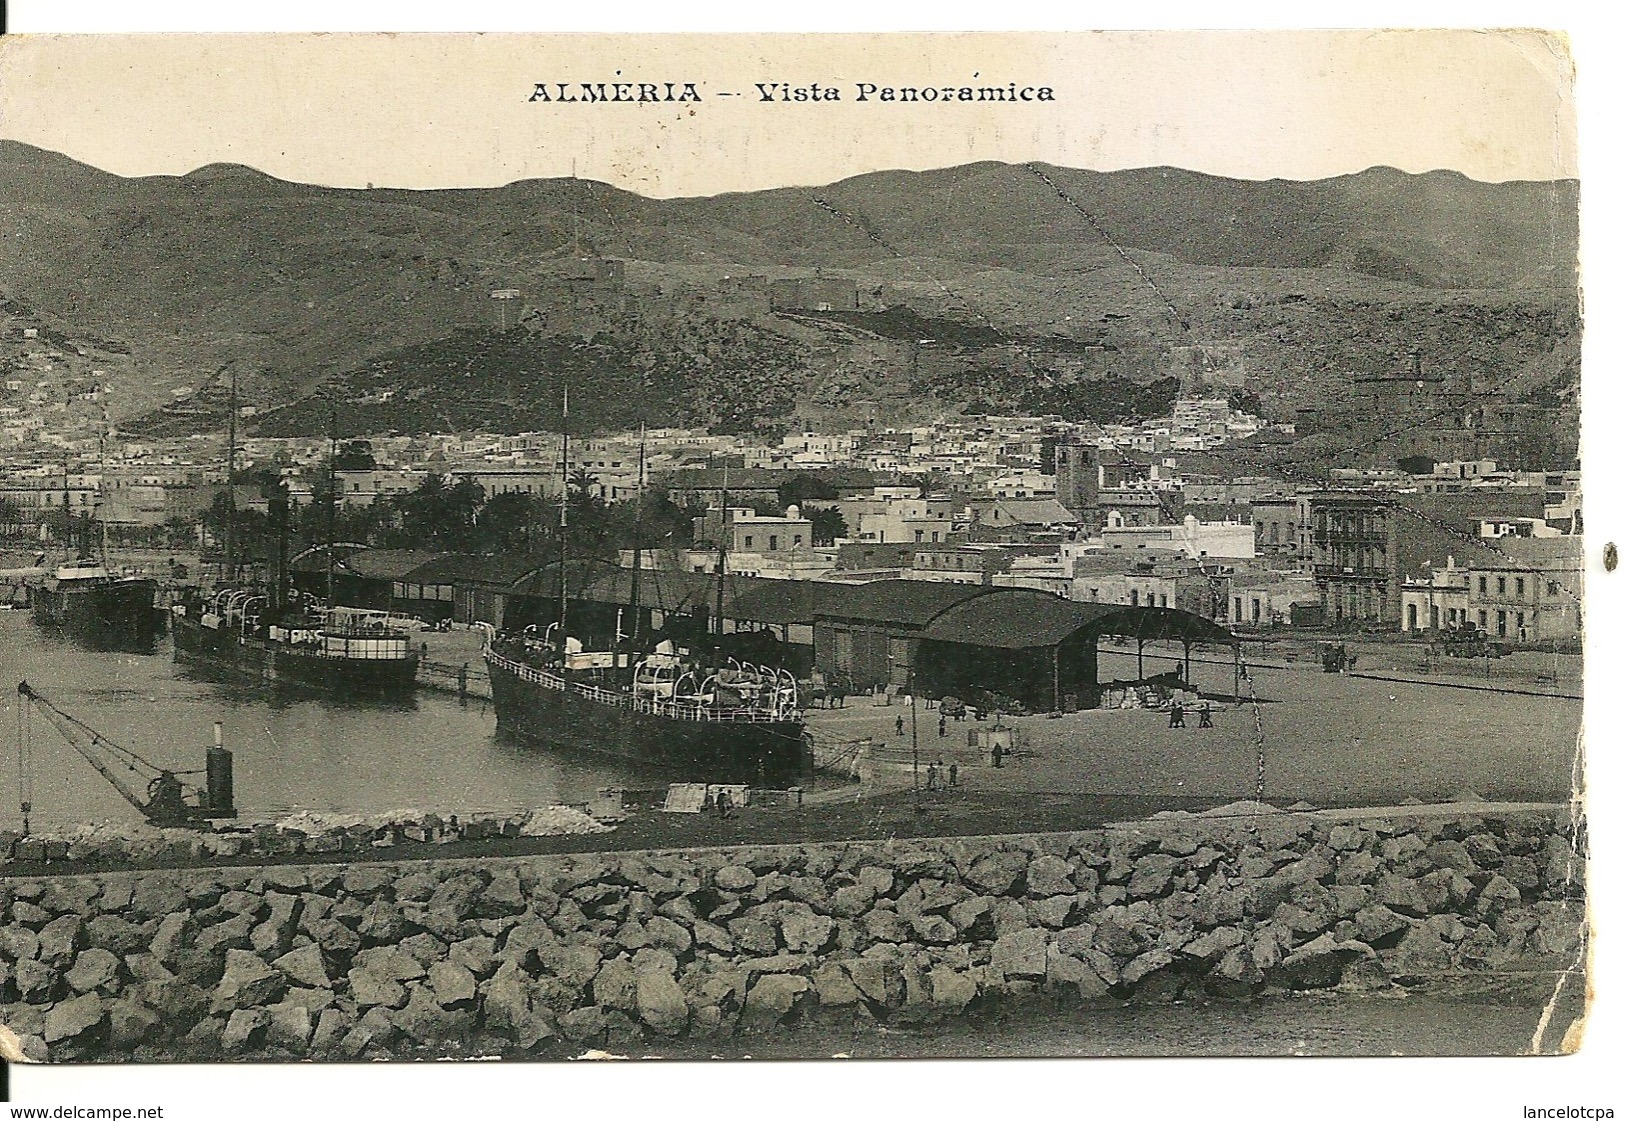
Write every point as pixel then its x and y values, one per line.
pixel 914 733
pixel 914 729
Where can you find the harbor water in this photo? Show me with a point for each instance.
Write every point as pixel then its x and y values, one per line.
pixel 293 748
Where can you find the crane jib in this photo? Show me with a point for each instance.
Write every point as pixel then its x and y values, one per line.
pixel 166 797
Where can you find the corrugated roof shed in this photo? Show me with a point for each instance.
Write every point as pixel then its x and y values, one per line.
pixel 465 568
pixel 382 564
pixel 915 602
pixel 1021 618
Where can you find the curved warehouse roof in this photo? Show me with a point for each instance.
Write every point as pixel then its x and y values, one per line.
pixel 913 602
pixel 1019 618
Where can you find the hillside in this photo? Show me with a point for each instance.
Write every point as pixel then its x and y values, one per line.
pixel 297 285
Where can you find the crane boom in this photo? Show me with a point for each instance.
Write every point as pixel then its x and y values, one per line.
pixel 164 804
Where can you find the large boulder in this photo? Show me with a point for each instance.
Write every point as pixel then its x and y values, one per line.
pixel 1497 896
pixel 1143 966
pixel 274 935
pixel 1152 877
pixel 232 934
pixel 735 878
pixel 18 943
pixel 93 969
pixel 712 936
pixel 753 936
pixel 851 900
pixel 156 895
pixel 1213 944
pixel 1049 875
pixel 1317 964
pixel 1379 925
pixel 453 984
pixel 116 935
pixel 877 879
pixel 660 1001
pixel 951 989
pixel 804 930
pixel 1021 953
pixel 967 913
pixel 382 924
pixel 245 1030
pixel 289 1026
pixel 509 1011
pixel 305 966
pixel 73 1019
pixel 997 872
pixel 616 985
pixel 1054 911
pixel 428 1021
pixel 834 986
pixel 60 939
pixel 131 1024
pixel 246 983
pixel 477 954
pixel 368 989
pixel 771 999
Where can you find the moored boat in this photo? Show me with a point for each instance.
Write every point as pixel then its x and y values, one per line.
pixel 733 724
pixel 87 599
pixel 236 631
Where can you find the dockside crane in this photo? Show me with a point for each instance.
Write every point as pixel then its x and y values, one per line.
pixel 169 802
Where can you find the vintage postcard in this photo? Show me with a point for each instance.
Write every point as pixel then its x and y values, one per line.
pixel 891 546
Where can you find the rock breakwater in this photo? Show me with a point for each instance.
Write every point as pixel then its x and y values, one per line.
pixel 549 955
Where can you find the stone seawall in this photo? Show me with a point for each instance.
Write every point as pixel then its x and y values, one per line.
pixel 547 956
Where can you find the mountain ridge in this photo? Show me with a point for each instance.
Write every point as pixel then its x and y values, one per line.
pixel 301 283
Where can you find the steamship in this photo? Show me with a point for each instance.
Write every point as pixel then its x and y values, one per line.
pixel 85 598
pixel 237 630
pixel 726 721
pixel 731 724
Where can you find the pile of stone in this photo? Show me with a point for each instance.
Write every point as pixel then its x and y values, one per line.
pixel 304 831
pixel 551 955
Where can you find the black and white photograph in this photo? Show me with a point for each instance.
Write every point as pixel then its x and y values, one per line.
pixel 745 546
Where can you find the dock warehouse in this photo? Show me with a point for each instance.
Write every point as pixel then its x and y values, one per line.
pixel 869 631
pixel 1041 649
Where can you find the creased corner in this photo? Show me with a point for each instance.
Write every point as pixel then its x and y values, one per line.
pixel 1577 971
pixel 11 1047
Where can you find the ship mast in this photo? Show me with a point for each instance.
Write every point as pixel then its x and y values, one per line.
pixel 67 514
pixel 722 552
pixel 231 482
pixel 637 541
pixel 564 520
pixel 101 475
pixel 332 496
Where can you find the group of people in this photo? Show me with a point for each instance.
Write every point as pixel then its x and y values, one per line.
pixel 939 778
pixel 1176 715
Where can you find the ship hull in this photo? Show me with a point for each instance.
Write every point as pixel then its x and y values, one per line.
pixel 700 751
pixel 257 658
pixel 123 609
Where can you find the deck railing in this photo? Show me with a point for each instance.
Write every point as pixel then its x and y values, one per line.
pixel 670 709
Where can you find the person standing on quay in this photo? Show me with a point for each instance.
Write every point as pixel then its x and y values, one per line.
pixel 1176 715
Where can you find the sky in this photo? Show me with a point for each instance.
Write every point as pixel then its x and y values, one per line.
pixel 444 111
